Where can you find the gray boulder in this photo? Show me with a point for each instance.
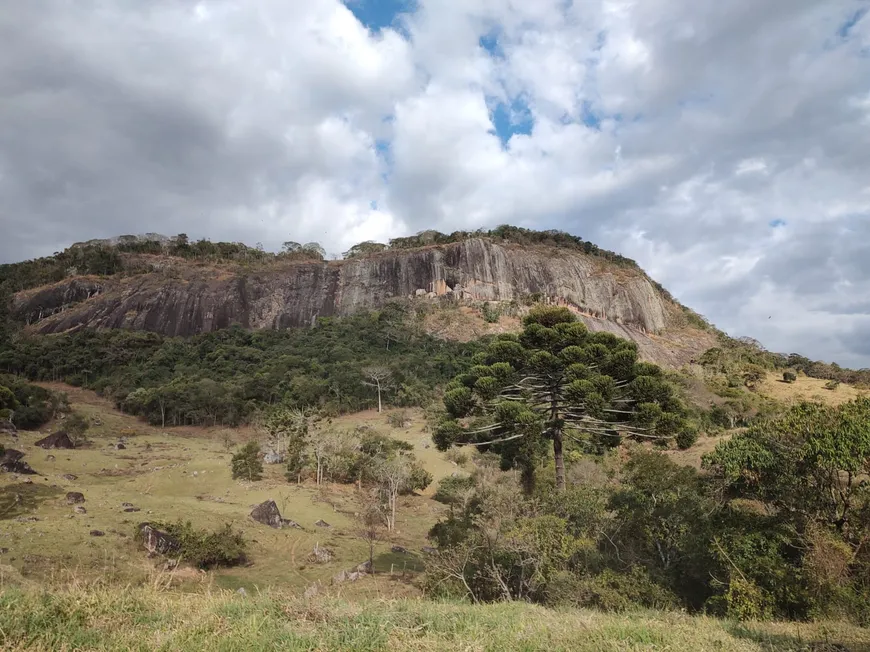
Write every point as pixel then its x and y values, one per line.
pixel 157 542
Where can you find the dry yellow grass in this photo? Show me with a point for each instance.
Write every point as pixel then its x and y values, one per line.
pixel 806 389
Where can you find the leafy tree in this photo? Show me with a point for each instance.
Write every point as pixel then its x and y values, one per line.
pixel 366 248
pixel 807 464
pixel 556 380
pixel 246 464
pixel 370 521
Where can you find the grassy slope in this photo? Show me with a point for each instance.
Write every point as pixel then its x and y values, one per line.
pixel 807 389
pixel 184 473
pixel 147 619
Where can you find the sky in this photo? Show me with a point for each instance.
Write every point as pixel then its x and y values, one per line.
pixel 723 145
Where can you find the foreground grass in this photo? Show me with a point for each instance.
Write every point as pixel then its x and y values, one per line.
pixel 148 619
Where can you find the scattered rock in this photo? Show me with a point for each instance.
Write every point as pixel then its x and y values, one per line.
pixel 156 541
pixel 27 519
pixel 70 477
pixel 132 509
pixel 420 292
pixel 74 497
pixel 3 551
pixel 11 462
pixel 8 428
pixel 365 567
pixel 322 523
pixel 271 457
pixel 320 555
pixel 119 446
pixel 79 509
pixel 50 458
pixel 126 504
pixel 267 513
pixel 97 533
pixel 429 550
pixel 195 473
pixel 286 522
pixel 58 439
pixel 346 576
pixel 242 591
pixel 400 550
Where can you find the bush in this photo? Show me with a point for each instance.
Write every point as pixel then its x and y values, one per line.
pixel 686 438
pixel 246 464
pixel 451 488
pixel 76 425
pixel 789 376
pixel 611 591
pixel 490 313
pixel 457 456
pixel 204 549
pixel 832 384
pixel 399 419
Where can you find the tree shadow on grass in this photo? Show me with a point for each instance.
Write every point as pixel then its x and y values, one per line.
pixel 22 498
pixel 812 642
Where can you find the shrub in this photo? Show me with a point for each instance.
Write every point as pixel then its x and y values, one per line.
pixel 76 425
pixel 457 456
pixel 246 464
pixel 686 438
pixel 832 384
pixel 611 591
pixel 490 313
pixel 204 549
pixel 789 376
pixel 399 419
pixel 451 488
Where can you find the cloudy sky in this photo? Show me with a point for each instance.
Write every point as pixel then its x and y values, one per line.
pixel 725 145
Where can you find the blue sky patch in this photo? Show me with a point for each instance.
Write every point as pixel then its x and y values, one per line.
pixel 378 14
pixel 510 119
pixel 777 223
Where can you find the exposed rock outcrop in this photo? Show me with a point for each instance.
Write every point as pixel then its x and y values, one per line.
pixel 55 440
pixel 267 513
pixel 197 299
pixel 156 541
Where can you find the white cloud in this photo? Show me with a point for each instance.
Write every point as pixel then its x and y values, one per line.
pixel 675 131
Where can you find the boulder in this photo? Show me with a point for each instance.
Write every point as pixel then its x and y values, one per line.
pixel 8 428
pixel 97 533
pixel 11 455
pixel 320 555
pixel 74 497
pixel 267 513
pixel 58 439
pixel 271 457
pixel 156 541
pixel 365 567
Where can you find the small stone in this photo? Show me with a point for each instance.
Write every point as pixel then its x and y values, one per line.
pixel 126 504
pixel 400 550
pixel 429 550
pixel 195 474
pixel 322 523
pixel 50 458
pixel 97 533
pixel 242 591
pixel 74 497
pixel 70 477
pixel 119 446
pixel 132 509
pixel 79 509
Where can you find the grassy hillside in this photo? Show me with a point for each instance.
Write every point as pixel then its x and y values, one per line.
pixel 184 474
pixel 145 619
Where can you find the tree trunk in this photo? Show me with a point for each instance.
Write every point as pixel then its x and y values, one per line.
pixel 559 460
pixel 379 397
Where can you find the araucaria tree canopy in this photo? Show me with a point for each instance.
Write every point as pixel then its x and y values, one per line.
pixel 552 382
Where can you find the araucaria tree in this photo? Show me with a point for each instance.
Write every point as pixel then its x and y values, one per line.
pixel 553 381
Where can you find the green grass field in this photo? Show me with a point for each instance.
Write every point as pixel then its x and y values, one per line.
pixel 184 473
pixel 98 618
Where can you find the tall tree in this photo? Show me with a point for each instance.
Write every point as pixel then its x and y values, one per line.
pixel 556 380
pixel 378 377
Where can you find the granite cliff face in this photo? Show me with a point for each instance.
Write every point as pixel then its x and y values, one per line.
pixel 180 298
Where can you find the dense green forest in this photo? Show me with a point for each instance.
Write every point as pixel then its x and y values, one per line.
pixel 777 526
pixel 225 376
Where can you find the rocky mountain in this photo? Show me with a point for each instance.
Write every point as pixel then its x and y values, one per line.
pixel 175 296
